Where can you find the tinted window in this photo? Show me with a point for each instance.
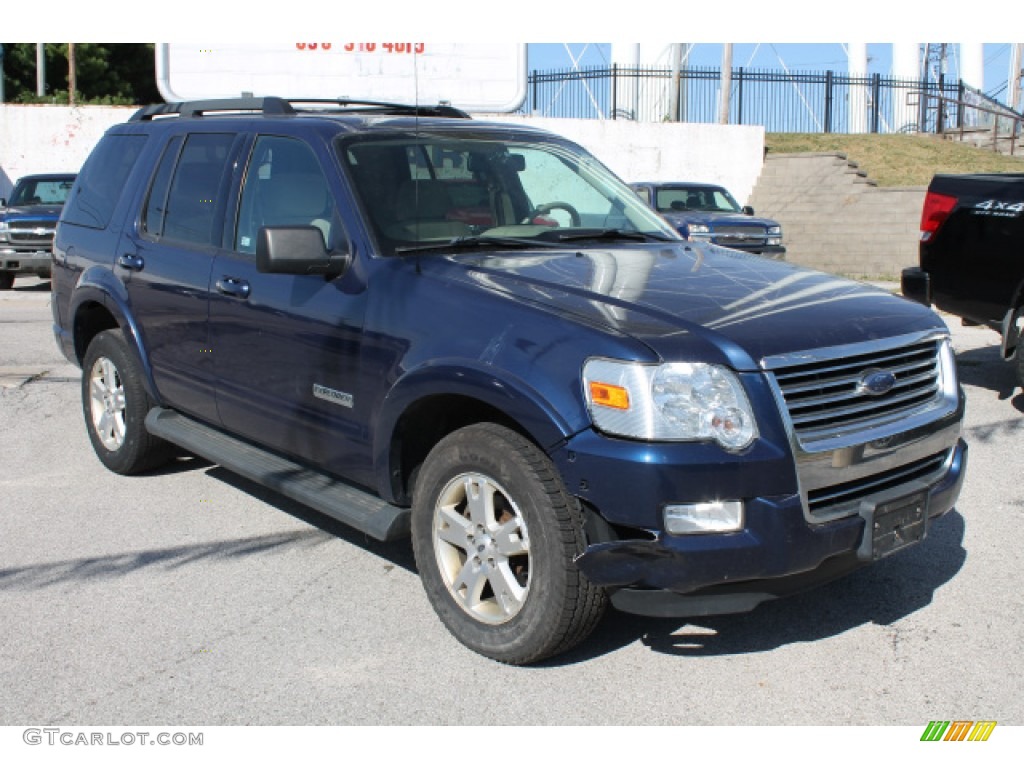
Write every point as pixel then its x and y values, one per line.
pixel 156 201
pixel 185 208
pixel 42 191
pixel 284 186
pixel 102 180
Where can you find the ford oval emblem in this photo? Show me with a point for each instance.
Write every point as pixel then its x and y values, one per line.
pixel 876 382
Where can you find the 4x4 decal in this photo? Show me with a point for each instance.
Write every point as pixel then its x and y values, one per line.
pixel 999 208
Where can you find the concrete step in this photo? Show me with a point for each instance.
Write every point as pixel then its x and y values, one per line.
pixel 835 217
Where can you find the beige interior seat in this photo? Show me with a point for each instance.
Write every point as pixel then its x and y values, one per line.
pixel 421 210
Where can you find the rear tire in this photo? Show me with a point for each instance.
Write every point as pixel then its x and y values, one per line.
pixel 115 404
pixel 495 535
pixel 6 281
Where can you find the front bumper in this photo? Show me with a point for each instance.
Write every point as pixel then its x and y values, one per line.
pixel 25 262
pixel 778 552
pixel 915 284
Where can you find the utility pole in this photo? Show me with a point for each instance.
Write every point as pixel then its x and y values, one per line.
pixel 1013 100
pixel 40 69
pixel 673 100
pixel 72 79
pixel 1 73
pixel 724 102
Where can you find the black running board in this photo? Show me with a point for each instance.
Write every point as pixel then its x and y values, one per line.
pixel 363 511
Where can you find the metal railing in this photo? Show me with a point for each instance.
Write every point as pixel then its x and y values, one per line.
pixel 787 102
pixel 980 114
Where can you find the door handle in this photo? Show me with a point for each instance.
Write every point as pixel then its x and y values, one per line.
pixel 233 286
pixel 131 262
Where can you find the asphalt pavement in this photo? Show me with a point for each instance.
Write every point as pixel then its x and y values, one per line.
pixel 190 596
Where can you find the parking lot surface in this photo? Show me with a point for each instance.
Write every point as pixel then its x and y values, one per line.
pixel 190 596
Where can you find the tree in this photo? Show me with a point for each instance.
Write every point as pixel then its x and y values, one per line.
pixel 106 73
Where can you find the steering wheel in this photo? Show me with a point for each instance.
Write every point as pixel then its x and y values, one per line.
pixel 540 210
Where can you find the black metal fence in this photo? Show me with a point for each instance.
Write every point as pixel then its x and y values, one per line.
pixel 785 102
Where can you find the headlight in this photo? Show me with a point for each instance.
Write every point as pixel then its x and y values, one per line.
pixel 672 401
pixel 774 235
pixel 3 230
pixel 699 231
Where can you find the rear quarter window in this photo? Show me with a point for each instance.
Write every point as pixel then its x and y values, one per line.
pixel 103 180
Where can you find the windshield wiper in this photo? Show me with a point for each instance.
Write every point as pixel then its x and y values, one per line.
pixel 468 242
pixel 613 234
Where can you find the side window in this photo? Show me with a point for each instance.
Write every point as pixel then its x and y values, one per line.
pixel 184 198
pixel 102 180
pixel 284 186
pixel 156 201
pixel 676 200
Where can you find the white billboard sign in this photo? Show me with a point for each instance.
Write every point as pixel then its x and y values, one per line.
pixel 475 77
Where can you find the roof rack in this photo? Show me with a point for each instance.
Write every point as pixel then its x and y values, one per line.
pixel 274 105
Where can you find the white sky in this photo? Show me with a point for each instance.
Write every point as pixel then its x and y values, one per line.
pixel 782 21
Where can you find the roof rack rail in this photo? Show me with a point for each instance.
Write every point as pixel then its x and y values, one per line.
pixel 268 105
pixel 274 105
pixel 443 109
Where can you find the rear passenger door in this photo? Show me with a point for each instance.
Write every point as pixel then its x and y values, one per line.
pixel 165 263
pixel 287 347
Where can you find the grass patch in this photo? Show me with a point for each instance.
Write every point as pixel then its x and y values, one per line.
pixel 898 160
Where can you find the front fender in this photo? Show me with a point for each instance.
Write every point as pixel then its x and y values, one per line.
pixel 547 422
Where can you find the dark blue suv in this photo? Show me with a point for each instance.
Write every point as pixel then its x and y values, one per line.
pixel 476 336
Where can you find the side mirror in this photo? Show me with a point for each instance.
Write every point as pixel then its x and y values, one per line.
pixel 3 202
pixel 297 250
pixel 748 210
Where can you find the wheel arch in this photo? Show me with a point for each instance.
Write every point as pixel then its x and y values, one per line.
pixel 102 305
pixel 1012 324
pixel 425 406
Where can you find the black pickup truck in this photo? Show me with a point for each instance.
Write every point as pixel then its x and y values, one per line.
pixel 972 254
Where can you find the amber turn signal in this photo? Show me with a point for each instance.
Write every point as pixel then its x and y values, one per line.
pixel 609 395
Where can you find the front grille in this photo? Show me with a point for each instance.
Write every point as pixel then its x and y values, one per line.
pixel 828 397
pixel 835 497
pixel 739 235
pixel 34 233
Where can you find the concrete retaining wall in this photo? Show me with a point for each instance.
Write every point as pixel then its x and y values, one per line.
pixel 50 139
pixel 41 139
pixel 836 219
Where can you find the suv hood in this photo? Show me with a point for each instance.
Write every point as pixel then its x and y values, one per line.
pixel 49 212
pixel 706 217
pixel 697 298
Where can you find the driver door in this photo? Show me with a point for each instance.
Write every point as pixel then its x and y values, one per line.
pixel 287 347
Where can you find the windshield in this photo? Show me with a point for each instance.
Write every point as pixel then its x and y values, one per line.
pixel 41 192
pixel 695 198
pixel 429 189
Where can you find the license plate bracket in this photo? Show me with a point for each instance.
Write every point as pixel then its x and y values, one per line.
pixel 894 525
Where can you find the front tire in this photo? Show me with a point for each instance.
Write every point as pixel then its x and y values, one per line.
pixel 495 535
pixel 115 404
pixel 6 281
